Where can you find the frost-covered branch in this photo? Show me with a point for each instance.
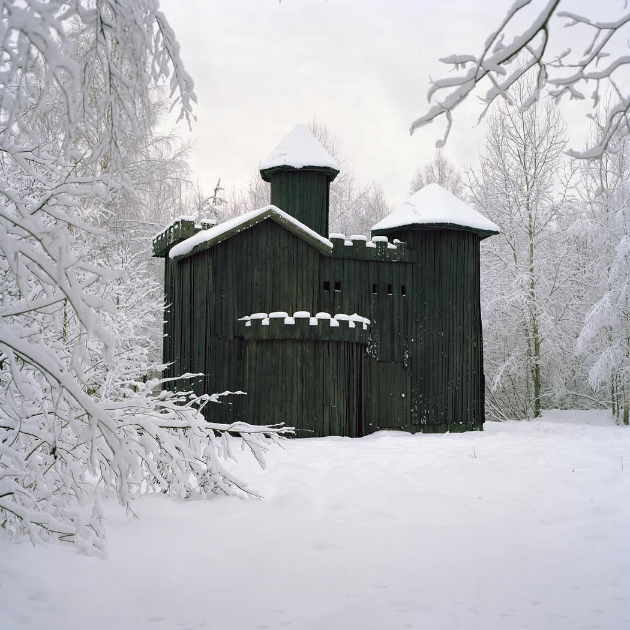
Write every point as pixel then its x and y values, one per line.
pixel 81 413
pixel 588 69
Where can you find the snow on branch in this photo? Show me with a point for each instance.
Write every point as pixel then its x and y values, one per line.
pixel 52 477
pixel 77 417
pixel 579 72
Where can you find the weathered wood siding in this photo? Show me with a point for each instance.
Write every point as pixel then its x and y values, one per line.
pixel 313 385
pixel 445 337
pixel 304 195
pixel 262 269
pixel 368 281
pixel 422 366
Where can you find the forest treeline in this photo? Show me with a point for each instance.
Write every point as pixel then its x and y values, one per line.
pixel 554 283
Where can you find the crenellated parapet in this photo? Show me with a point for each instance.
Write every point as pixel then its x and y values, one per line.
pixel 304 326
pixel 176 231
pixel 379 248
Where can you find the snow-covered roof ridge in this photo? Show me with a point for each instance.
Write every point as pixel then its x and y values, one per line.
pixel 299 149
pixel 233 226
pixel 433 205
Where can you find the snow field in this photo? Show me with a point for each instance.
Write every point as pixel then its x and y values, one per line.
pixel 525 525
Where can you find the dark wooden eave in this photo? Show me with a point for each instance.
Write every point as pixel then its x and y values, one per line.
pixel 267 173
pixel 434 226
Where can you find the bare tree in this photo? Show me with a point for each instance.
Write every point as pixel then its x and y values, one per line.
pixel 256 194
pixel 516 186
pixel 583 71
pixel 354 208
pixel 439 171
pixel 604 231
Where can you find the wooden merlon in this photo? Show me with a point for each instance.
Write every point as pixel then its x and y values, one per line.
pixel 303 326
pixel 177 231
pixel 379 248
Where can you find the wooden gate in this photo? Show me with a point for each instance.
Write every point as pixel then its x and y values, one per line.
pixel 388 396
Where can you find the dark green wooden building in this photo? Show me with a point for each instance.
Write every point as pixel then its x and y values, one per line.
pixel 335 336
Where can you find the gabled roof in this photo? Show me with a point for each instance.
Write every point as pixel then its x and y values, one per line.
pixel 432 206
pixel 300 149
pixel 207 238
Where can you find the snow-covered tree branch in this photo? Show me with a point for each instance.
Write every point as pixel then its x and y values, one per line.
pixel 80 413
pixel 524 44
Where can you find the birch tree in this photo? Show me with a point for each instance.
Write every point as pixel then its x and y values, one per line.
pixel 523 275
pixel 604 228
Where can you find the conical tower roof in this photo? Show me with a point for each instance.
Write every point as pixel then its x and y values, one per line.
pixel 433 207
pixel 300 149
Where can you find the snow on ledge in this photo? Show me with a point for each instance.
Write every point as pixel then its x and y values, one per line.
pixel 434 205
pixel 165 229
pixel 360 238
pixel 299 148
pixel 333 320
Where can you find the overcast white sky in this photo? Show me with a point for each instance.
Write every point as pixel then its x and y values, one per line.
pixel 361 67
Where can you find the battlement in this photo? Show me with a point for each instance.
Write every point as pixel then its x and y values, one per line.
pixel 176 231
pixel 303 326
pixel 359 247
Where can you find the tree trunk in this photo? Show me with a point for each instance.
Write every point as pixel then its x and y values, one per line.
pixel 626 402
pixel 534 320
pixel 626 383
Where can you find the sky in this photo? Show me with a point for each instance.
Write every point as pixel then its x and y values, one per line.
pixel 360 67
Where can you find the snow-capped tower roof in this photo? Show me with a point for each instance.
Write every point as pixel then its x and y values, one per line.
pixel 433 207
pixel 300 170
pixel 299 149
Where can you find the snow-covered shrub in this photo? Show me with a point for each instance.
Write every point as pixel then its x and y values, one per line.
pixel 58 458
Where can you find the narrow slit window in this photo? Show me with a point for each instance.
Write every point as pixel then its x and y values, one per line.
pixel 326 285
pixel 403 289
pixel 390 289
pixel 374 289
pixel 337 286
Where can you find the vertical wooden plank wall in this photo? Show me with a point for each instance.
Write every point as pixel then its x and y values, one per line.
pixel 423 367
pixel 309 384
pixel 304 195
pixel 445 326
pixel 379 290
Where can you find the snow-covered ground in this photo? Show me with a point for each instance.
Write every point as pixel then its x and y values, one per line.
pixel 526 525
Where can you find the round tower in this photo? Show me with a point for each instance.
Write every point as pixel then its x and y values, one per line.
pixel 300 170
pixel 444 334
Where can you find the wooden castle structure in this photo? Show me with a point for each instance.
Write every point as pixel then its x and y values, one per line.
pixel 330 334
